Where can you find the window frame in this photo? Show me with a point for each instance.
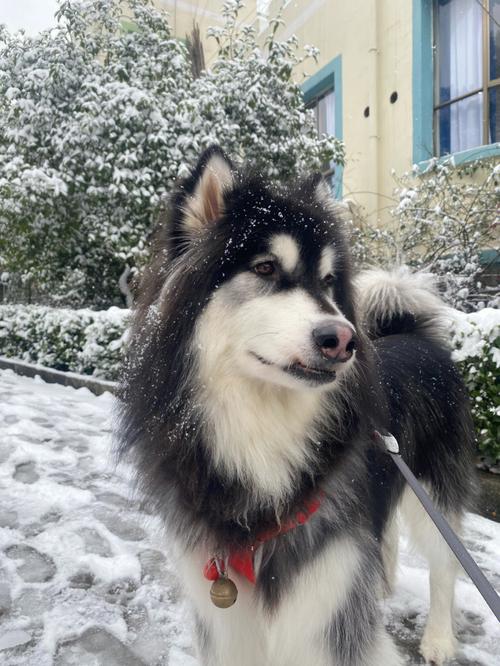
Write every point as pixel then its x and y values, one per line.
pixel 424 106
pixel 313 103
pixel 316 86
pixel 487 83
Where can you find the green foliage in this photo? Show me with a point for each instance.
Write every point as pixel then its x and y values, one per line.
pixel 92 342
pixel 98 120
pixel 483 383
pixel 476 338
pixel 83 341
pixel 443 220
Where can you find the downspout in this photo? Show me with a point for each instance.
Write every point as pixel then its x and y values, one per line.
pixel 373 101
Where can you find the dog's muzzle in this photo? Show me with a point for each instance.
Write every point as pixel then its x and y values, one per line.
pixel 335 341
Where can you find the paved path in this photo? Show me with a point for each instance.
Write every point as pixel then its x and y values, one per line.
pixel 83 576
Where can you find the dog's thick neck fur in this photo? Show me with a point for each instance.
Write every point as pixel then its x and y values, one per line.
pixel 235 454
pixel 260 434
pixel 238 455
pixel 257 432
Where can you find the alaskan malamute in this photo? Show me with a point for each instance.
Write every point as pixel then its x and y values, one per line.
pixel 258 375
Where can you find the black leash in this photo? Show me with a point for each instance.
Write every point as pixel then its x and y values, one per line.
pixel 461 553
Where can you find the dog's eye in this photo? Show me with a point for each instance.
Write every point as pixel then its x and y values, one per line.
pixel 328 280
pixel 265 268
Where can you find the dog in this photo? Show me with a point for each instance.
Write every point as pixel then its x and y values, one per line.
pixel 259 368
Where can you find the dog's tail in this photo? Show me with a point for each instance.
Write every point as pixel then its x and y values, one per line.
pixel 399 301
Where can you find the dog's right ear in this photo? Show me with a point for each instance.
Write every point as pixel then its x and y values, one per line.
pixel 315 189
pixel 203 203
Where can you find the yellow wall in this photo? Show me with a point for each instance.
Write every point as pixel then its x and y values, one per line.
pixel 374 38
pixel 206 13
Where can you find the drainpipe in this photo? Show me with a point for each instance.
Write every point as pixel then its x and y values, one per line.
pixel 374 138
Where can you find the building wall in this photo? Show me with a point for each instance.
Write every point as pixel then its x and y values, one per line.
pixel 379 49
pixel 206 13
pixel 374 39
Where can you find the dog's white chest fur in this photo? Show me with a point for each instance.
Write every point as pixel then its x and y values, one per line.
pixel 293 634
pixel 258 432
pixel 259 435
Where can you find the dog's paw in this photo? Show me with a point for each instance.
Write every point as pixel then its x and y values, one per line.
pixel 437 647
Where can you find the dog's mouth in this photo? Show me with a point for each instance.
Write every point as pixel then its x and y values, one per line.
pixel 310 374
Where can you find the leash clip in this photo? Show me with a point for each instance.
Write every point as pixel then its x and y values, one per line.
pixel 389 441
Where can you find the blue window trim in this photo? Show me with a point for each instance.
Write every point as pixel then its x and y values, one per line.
pixel 423 81
pixel 328 77
pixel 423 95
pixel 490 258
pixel 470 155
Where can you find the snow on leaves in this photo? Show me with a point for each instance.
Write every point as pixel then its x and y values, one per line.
pixel 444 218
pixel 98 119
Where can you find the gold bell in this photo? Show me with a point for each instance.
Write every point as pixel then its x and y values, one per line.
pixel 223 592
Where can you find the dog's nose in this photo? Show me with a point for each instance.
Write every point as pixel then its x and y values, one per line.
pixel 336 341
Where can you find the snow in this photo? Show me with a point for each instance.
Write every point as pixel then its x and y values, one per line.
pixel 84 573
pixel 94 146
pixel 81 340
pixel 473 332
pixel 28 368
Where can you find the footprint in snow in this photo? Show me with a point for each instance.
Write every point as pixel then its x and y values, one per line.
pixel 8 518
pixel 26 473
pixel 32 602
pixel 94 542
pixel 95 645
pixel 34 567
pixel 114 499
pixel 82 580
pixel 5 599
pixel 470 627
pixel 120 525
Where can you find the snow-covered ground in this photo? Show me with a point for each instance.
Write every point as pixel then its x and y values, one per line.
pixel 84 579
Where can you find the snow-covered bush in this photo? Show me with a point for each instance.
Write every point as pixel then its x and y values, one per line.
pixel 476 340
pixel 84 341
pixel 92 342
pixel 444 218
pixel 100 115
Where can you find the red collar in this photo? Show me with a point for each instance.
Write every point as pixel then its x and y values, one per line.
pixel 242 560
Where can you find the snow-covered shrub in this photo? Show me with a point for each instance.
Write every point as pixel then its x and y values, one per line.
pixel 84 341
pixel 100 115
pixel 476 340
pixel 93 342
pixel 444 218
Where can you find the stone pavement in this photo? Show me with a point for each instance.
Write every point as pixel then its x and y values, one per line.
pixel 84 579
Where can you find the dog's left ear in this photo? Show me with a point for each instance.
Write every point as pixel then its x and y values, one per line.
pixel 316 189
pixel 323 192
pixel 211 179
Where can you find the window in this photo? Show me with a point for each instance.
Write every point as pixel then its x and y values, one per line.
pixel 324 108
pixel 466 74
pixel 323 93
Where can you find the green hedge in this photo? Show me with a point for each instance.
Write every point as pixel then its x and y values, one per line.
pixel 83 341
pixel 92 342
pixel 476 339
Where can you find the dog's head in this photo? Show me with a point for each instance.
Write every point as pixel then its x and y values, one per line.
pixel 271 271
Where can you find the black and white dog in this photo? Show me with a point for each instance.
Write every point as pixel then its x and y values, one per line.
pixel 258 374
